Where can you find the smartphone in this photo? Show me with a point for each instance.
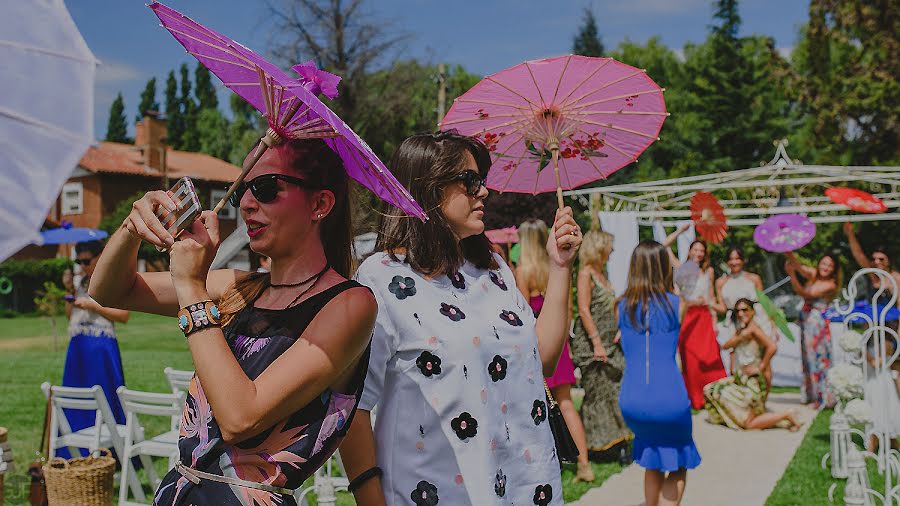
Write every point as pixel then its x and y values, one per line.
pixel 69 297
pixel 187 208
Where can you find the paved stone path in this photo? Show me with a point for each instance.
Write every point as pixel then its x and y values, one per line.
pixel 739 468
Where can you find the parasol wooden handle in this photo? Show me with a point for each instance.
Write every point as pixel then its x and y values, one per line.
pixel 554 153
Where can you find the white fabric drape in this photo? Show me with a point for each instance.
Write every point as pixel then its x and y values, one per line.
pixel 624 227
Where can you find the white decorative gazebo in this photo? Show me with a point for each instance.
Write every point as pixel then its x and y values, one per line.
pixel 749 196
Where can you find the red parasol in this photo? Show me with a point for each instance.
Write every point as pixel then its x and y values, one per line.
pixel 856 200
pixel 709 218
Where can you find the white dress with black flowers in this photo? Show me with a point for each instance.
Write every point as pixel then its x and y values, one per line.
pixel 455 373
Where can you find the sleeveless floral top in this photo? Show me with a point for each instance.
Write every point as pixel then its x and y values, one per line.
pixel 286 454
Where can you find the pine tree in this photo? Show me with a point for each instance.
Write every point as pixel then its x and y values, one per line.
pixel 189 140
pixel 205 91
pixel 587 42
pixel 174 118
pixel 148 100
pixel 116 129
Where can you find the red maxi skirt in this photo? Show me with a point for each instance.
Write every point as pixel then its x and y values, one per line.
pixel 701 362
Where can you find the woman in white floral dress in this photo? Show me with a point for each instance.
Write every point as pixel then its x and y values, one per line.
pixel 458 358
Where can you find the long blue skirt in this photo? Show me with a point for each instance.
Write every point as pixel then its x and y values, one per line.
pixel 93 360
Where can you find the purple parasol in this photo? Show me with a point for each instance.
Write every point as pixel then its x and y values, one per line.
pixel 784 232
pixel 290 105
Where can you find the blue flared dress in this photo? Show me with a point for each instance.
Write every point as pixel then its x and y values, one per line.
pixel 92 359
pixel 653 399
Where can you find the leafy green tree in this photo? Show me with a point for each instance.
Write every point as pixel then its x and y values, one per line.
pixel 587 41
pixel 190 140
pixel 205 91
pixel 246 127
pixel 148 100
pixel 846 82
pixel 116 129
pixel 174 117
pixel 212 133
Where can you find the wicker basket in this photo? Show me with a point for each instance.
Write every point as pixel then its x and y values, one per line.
pixel 81 481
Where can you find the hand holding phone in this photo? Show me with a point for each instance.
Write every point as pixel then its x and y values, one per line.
pixel 187 208
pixel 69 297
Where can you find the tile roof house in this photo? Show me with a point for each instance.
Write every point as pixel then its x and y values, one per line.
pixel 110 172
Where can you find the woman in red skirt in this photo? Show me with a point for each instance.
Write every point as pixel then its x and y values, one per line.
pixel 701 362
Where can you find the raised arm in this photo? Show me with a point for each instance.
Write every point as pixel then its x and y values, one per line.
pixel 670 240
pixel 855 248
pixel 553 323
pixel 116 282
pixel 767 344
pixel 806 271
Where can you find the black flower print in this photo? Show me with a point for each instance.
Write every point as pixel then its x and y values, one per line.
pixel 429 364
pixel 466 372
pixel 452 312
pixel 458 280
pixel 416 316
pixel 500 483
pixel 402 287
pixel 539 412
pixel 543 494
pixel 495 332
pixel 464 425
pixel 426 494
pixel 498 280
pixel 511 318
pixel 497 368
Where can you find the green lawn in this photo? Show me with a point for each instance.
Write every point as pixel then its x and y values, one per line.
pixel 148 344
pixel 805 478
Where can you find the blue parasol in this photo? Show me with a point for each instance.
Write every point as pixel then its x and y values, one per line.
pixel 67 234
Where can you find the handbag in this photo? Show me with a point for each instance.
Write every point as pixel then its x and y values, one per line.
pixel 566 450
pixel 37 491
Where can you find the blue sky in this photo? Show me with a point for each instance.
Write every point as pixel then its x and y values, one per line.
pixel 485 36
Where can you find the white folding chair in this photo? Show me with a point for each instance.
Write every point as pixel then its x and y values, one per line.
pixel 179 380
pixel 104 433
pixel 163 445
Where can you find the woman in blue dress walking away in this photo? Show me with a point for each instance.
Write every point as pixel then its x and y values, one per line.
pixel 654 400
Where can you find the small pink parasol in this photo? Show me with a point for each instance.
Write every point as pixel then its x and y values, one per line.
pixel 508 235
pixel 290 105
pixel 784 232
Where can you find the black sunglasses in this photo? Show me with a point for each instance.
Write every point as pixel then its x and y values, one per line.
pixel 264 188
pixel 472 180
pixel 83 261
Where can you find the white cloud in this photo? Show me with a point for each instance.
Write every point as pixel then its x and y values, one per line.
pixel 113 72
pixel 785 52
pixel 659 6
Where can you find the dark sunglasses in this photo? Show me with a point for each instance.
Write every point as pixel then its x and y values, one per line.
pixel 472 180
pixel 83 261
pixel 264 188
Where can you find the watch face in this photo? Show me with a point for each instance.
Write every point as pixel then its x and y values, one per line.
pixel 183 322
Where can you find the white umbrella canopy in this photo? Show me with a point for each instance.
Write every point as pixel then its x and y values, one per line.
pixel 46 113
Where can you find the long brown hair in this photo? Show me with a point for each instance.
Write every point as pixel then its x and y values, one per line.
pixel 649 278
pixel 425 164
pixel 323 169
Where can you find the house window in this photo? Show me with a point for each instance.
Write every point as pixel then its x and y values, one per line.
pixel 228 211
pixel 73 198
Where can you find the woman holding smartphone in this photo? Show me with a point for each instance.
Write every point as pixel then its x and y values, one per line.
pixel 281 356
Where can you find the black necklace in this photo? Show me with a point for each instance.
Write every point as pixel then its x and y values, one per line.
pixel 315 280
pixel 299 283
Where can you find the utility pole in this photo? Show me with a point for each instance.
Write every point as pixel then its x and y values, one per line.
pixel 442 92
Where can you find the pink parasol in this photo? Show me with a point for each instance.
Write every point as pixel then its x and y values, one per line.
pixel 508 235
pixel 784 232
pixel 290 105
pixel 589 117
